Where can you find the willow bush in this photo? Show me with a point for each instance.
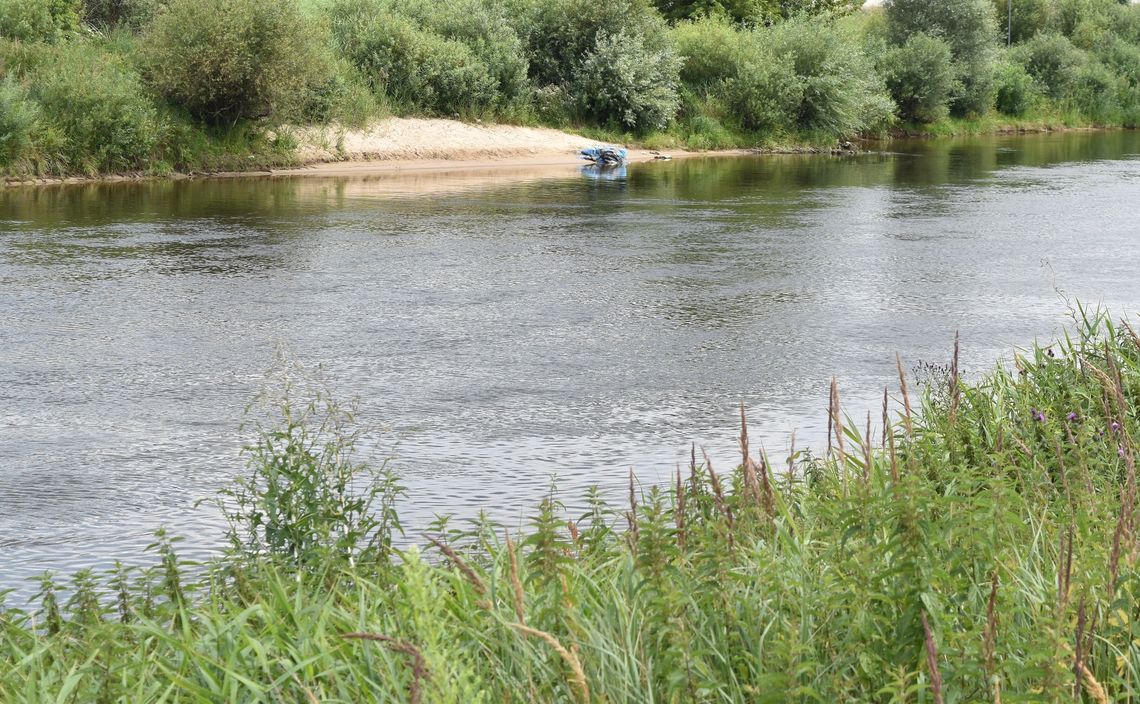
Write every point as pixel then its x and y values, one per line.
pixel 225 61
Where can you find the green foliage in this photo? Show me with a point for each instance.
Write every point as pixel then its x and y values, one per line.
pixel 39 20
pixel 306 498
pixel 1053 62
pixel 981 540
pixel 754 12
pixel 132 14
pixel 413 67
pixel 100 108
pixel 562 33
pixel 1022 19
pixel 1016 90
pixel 712 52
pixel 765 94
pixel 229 60
pixel 840 92
pixel 624 81
pixel 19 117
pixel 921 78
pixel 968 27
pixel 449 58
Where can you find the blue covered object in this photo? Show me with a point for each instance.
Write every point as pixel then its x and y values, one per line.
pixel 604 155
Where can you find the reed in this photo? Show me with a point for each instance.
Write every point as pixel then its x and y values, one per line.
pixel 965 563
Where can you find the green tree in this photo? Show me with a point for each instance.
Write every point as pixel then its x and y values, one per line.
pixel 231 60
pixel 968 27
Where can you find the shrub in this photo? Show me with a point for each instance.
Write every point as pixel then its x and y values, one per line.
pixel 1053 62
pixel 968 27
pixel 1096 93
pixel 1122 57
pixel 1016 91
pixel 624 81
pixel 100 107
pixel 840 92
pixel 562 33
pixel 19 116
pixel 39 20
pixel 921 78
pixel 484 28
pixel 1022 19
pixel 977 88
pixel 230 60
pixel 108 14
pixel 766 95
pixel 712 52
pixel 413 67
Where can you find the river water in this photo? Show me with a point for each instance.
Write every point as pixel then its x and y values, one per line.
pixel 508 331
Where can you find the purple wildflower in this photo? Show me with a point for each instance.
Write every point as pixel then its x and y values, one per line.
pixel 1120 450
pixel 1072 417
pixel 1038 416
pixel 1115 426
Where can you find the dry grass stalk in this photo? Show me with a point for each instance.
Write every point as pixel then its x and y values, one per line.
pixel 886 417
pixel 894 457
pixel 718 496
pixel 458 561
pixel 867 454
pixel 679 511
pixel 1118 538
pixel 955 387
pixel 989 638
pixel 578 675
pixel 1079 649
pixel 837 426
pixel 419 664
pixel 768 493
pixel 1065 570
pixel 932 660
pixel 516 583
pixel 632 517
pixel 1095 690
pixel 1131 333
pixel 792 460
pixel 905 396
pixel 309 695
pixel 751 481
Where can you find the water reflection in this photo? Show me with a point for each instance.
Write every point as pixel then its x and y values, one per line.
pixel 542 324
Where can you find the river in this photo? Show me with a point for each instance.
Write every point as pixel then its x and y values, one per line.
pixel 505 332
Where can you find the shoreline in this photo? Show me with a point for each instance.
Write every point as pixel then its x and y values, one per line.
pixel 407 147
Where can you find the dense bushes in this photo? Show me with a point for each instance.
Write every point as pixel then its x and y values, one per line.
pixel 190 81
pixel 39 20
pixel 920 76
pixel 100 108
pixel 18 120
pixel 225 60
pixel 624 81
pixel 1016 91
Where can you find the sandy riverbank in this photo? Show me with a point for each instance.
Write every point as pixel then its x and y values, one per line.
pixel 399 144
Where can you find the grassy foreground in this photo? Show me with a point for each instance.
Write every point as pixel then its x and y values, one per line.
pixel 981 548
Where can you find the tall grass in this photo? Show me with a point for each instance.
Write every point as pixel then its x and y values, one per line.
pixel 975 542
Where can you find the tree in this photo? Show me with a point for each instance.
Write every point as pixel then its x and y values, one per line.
pixel 968 27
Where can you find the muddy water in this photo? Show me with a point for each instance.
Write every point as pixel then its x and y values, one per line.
pixel 510 331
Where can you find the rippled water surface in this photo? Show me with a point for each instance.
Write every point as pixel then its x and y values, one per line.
pixel 507 332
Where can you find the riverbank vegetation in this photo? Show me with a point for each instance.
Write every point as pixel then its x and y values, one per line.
pixel 99 86
pixel 977 543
